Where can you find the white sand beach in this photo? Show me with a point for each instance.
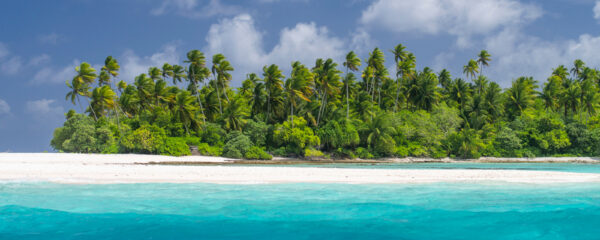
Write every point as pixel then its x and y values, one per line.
pixel 126 168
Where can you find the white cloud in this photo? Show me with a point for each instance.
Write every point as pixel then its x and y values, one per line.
pixel 52 75
pixel 304 42
pixel 462 19
pixel 44 109
pixel 133 65
pixel 38 60
pixel 4 108
pixel 191 9
pixel 597 11
pixel 516 54
pixel 11 66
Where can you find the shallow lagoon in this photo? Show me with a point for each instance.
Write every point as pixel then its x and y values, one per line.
pixel 299 211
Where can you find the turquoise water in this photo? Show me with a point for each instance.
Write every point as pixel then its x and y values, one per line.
pixel 299 211
pixel 563 167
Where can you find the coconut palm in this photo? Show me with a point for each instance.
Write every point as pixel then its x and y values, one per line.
pixel 197 72
pixel 471 69
pixel 577 70
pixel 185 109
pixel 178 74
pixel 352 63
pixel 103 98
pixel 273 82
pixel 298 86
pixel 86 74
pixel 520 95
pixel 235 114
pixel 483 59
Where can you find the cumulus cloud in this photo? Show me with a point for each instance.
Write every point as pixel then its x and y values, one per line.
pixel 11 66
pixel 133 65
pixel 304 42
pixel 462 19
pixel 44 109
pixel 191 9
pixel 517 54
pixel 54 75
pixel 3 50
pixel 4 108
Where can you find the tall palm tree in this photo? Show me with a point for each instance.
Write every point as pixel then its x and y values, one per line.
pixel 178 74
pixel 185 109
pixel 85 76
pixel 521 95
pixel 471 69
pixel 167 71
pixel 399 56
pixel 352 63
pixel 273 82
pixel 197 72
pixel 235 114
pixel 577 70
pixel 561 72
pixel 483 59
pixel 103 98
pixel 299 86
pixel 220 70
pixel 155 73
pixel 329 84
pixel 112 67
pixel 551 93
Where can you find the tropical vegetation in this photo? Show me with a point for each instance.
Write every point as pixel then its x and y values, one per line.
pixel 356 109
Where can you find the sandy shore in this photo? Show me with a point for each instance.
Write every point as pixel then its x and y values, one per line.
pixel 130 168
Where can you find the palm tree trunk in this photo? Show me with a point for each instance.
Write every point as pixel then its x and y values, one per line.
pixel 268 105
pixel 219 97
pixel 292 111
pixel 347 96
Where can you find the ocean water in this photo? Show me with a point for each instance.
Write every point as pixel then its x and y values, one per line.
pixel 562 167
pixel 299 211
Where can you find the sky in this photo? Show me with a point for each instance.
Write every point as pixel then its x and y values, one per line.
pixel 42 41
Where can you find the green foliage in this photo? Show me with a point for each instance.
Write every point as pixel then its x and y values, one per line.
pixel 213 134
pixel 237 145
pixel 507 143
pixel 207 150
pixel 257 131
pixel 335 135
pixel 176 146
pixel 257 153
pixel 364 153
pixel 80 134
pixel 146 139
pixel 296 138
pixel 310 153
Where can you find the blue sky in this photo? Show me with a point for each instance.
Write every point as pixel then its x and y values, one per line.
pixel 41 41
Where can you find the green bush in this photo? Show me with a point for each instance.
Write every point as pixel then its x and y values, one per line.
pixel 81 134
pixel 257 131
pixel 207 150
pixel 335 135
pixel 213 134
pixel 296 138
pixel 257 153
pixel 146 139
pixel 236 146
pixel 310 153
pixel 175 146
pixel 364 153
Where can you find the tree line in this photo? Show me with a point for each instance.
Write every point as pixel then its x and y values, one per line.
pixel 357 109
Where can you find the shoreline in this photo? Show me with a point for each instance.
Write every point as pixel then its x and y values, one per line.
pixel 133 168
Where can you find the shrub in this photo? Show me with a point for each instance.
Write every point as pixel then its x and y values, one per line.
pixel 364 153
pixel 257 153
pixel 507 143
pixel 80 134
pixel 146 139
pixel 175 146
pixel 296 138
pixel 237 146
pixel 338 135
pixel 213 134
pixel 310 153
pixel 257 132
pixel 207 150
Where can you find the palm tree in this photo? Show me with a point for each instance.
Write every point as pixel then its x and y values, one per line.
pixel 494 101
pixel 481 84
pixel 155 73
pixel 551 93
pixel 329 84
pixel 298 86
pixel 86 74
pixel 111 67
pixel 484 59
pixel 235 114
pixel 577 70
pixel 103 98
pixel 197 72
pixel 471 69
pixel 561 72
pixel 167 70
pixel 352 63
pixel 77 89
pixel 185 109
pixel 520 95
pixel 445 79
pixel 220 70
pixel 399 56
pixel 273 81
pixel 144 87
pixel 590 98
pixel 378 129
pixel 426 93
pixel 178 74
